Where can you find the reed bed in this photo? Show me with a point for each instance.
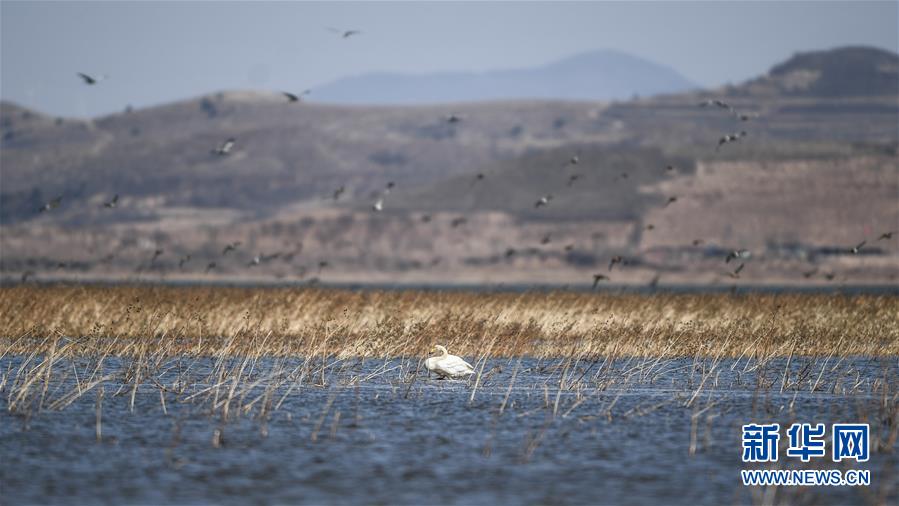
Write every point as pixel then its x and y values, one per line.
pixel 170 321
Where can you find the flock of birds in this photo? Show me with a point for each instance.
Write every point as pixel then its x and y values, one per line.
pixel 449 361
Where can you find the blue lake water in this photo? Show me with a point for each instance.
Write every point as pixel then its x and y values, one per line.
pixel 628 431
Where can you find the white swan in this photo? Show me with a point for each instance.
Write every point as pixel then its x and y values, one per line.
pixel 448 366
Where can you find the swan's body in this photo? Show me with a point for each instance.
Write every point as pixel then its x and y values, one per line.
pixel 448 366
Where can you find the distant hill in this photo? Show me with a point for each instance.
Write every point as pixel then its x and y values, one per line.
pixel 815 173
pixel 840 72
pixel 596 75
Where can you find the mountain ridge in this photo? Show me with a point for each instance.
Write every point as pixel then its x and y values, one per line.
pixel 591 75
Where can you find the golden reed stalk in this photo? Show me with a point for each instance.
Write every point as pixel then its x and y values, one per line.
pixel 231 321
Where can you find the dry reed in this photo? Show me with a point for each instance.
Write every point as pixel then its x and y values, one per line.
pixel 165 321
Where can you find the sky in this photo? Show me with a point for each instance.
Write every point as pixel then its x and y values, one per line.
pixel 157 52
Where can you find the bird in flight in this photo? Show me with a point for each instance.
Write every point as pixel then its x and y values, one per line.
pixel 546 239
pixel 808 274
pixel 112 203
pixel 572 178
pixel 671 200
pixel 90 80
pixel 746 116
pixel 338 192
pixel 156 254
pixel 735 254
pixel 886 235
pixel 599 277
pixel 53 204
pixel 344 34
pixel 378 206
pixel 210 266
pixel 510 252
pixel 543 201
pixel 183 260
pixel 697 242
pixel 569 247
pixel 458 221
pixel 736 273
pixel 452 118
pixel 574 160
pixel 669 168
pixel 617 259
pixel 717 103
pixel 231 247
pixel 858 247
pixel 730 138
pixel 225 148
pixel 291 97
pixel 650 227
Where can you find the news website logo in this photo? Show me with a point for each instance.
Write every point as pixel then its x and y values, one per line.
pixel 849 441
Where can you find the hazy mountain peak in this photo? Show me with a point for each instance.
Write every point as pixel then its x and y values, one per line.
pixel 595 75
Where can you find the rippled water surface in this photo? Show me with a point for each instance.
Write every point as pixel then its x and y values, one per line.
pixel 629 431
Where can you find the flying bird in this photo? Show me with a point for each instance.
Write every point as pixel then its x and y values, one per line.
pixel 808 274
pixel 452 118
pixel 112 203
pixel 344 34
pixel 569 247
pixel 156 254
pixel 89 80
pixel 291 97
pixel 858 247
pixel 574 160
pixel 730 138
pixel 546 239
pixel 338 192
pixel 183 260
pixel 231 247
pixel 225 148
pixel 378 206
pixel 717 103
pixel 544 200
pixel 650 227
pixel 210 266
pixel 669 168
pixel 886 235
pixel 49 206
pixel 510 252
pixel 736 273
pixel 458 221
pixel 599 277
pixel 671 200
pixel 735 254
pixel 697 242
pixel 572 178
pixel 617 259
